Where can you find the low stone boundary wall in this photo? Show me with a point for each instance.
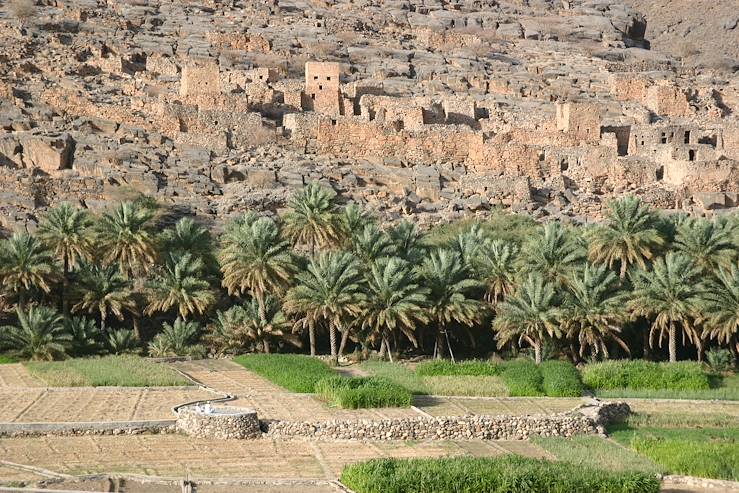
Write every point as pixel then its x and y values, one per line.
pixel 440 428
pixel 218 422
pixel 590 418
pixel 87 428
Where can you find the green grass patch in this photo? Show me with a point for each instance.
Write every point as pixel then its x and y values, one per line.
pixel 5 359
pixel 723 387
pixel 448 385
pixel 362 392
pixel 484 386
pixel 507 474
pixel 522 377
pixel 591 451
pixel 639 375
pixel 397 373
pixel 680 420
pixel 707 453
pixel 560 379
pixel 112 371
pixel 295 372
pixel 471 368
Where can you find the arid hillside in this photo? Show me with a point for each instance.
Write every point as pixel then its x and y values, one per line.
pixel 700 32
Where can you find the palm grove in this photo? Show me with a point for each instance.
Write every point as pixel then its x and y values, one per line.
pixel 326 273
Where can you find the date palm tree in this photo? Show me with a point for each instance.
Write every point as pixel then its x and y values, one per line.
pixel 409 243
pixel 352 220
pixel 255 259
pixel 593 310
pixel 450 297
pixel 495 266
pixel 628 237
pixel 330 291
pixel 709 244
pixel 467 245
pixel 126 240
pixel 556 255
pixel 66 232
pixel 179 284
pixel 668 294
pixel 274 325
pixel 176 339
pixel 25 265
pixel 530 315
pixel 105 291
pixel 395 302
pixel 39 334
pixel 312 219
pixel 371 244
pixel 187 236
pixel 719 302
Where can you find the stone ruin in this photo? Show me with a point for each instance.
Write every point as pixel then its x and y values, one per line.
pixel 433 111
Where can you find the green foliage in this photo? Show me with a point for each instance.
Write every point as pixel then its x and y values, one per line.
pixel 523 378
pixel 177 339
pixel 363 392
pixel 719 360
pixel 38 335
pixel 85 336
pixel 122 341
pixel 708 453
pixel 560 379
pixel 118 371
pixel 507 474
pixel 5 359
pixel 447 368
pixel 294 372
pixel 637 374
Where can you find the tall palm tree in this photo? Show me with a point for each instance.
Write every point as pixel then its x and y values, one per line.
pixel 719 302
pixel 371 244
pixel 450 296
pixel 530 315
pixel 495 265
pixel 330 290
pixel 256 259
pixel 105 291
pixel 179 284
pixel 65 231
pixel 627 237
pixel 409 243
pixel 25 265
pixel 126 240
pixel 709 244
pixel 668 293
pixel 39 335
pixel 352 220
pixel 467 244
pixel 395 302
pixel 187 236
pixel 593 309
pixel 260 330
pixel 313 219
pixel 556 255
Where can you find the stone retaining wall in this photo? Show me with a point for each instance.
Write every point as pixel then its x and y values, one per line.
pixel 88 428
pixel 223 422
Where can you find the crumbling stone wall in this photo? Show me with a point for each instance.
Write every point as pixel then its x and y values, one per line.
pixel 200 78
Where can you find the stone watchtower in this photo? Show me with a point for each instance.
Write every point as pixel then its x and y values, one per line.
pixel 322 92
pixel 580 119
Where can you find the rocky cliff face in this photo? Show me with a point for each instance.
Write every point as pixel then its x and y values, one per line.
pixel 433 109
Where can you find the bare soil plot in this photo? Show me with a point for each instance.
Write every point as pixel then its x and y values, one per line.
pixel 87 404
pixel 15 375
pixel 178 456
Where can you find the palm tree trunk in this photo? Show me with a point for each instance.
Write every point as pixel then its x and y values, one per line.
pixel 65 287
pixel 102 322
pixel 383 348
pixel 137 327
pixel 312 337
pixel 332 338
pixel 389 350
pixel 449 345
pixel 673 342
pixel 647 355
pixel 537 352
pixel 440 342
pixel 344 339
pixel 266 346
